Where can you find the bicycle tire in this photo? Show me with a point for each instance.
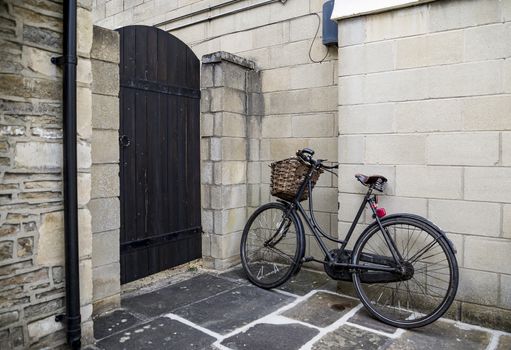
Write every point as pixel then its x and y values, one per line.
pixel 283 259
pixel 428 257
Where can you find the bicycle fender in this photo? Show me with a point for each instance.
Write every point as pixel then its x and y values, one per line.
pixel 418 218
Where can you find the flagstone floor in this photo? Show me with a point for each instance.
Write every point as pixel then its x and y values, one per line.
pixel 224 311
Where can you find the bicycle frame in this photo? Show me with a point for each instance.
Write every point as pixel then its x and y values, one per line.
pixel 311 222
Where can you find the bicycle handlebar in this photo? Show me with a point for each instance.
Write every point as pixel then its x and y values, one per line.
pixel 306 155
pixel 336 166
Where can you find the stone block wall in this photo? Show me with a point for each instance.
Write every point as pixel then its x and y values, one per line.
pixel 300 96
pixel 31 208
pixel 104 204
pixel 230 88
pixel 425 99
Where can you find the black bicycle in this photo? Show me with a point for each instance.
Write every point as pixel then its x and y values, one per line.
pixel 403 267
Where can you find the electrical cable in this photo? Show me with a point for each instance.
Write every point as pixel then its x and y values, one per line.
pixel 312 43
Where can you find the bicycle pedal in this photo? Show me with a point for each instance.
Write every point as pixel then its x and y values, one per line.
pixel 307 259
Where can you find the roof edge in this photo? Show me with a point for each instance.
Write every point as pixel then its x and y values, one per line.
pixel 344 9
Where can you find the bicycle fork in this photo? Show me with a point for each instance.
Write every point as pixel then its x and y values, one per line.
pixel 283 226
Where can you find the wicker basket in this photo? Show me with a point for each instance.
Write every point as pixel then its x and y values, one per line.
pixel 286 177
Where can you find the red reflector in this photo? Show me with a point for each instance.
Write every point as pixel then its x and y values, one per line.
pixel 381 212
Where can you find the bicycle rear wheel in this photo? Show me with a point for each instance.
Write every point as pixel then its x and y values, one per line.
pixel 424 290
pixel 271 246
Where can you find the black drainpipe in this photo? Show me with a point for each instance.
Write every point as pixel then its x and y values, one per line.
pixel 68 62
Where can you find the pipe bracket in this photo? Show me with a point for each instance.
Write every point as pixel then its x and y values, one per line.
pixel 61 60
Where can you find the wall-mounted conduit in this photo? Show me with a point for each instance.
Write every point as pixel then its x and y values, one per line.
pixel 212 8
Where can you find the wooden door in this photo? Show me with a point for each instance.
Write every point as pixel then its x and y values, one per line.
pixel 159 152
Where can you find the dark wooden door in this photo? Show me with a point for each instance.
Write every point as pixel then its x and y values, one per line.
pixel 160 152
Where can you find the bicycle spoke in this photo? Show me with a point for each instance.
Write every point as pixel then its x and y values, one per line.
pixel 408 249
pixel 378 253
pixel 413 245
pixel 281 253
pixel 425 291
pixel 434 264
pixel 422 251
pixel 408 295
pixel 438 279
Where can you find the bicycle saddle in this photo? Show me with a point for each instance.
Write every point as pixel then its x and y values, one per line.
pixel 371 180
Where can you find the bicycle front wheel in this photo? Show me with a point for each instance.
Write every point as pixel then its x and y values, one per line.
pixel 426 285
pixel 271 246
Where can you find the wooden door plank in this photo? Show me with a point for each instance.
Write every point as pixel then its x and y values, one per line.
pixel 141 164
pixel 176 64
pixel 152 55
pixel 141 53
pixel 180 163
pixel 129 49
pixel 162 56
pixel 153 178
pixel 172 165
pixel 164 145
pixel 131 181
pixel 192 79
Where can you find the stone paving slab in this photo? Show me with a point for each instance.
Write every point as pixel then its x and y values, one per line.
pixel 363 318
pixel 504 342
pixel 350 338
pixel 161 333
pixel 307 281
pixel 227 311
pixel 237 275
pixel 167 299
pixel 442 335
pixel 266 336
pixel 321 309
pixel 114 322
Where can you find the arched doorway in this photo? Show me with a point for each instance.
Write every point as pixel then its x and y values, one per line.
pixel 159 152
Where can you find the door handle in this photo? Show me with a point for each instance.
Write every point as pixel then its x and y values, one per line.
pixel 124 141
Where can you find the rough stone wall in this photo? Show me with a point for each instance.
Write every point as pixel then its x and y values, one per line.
pixel 31 208
pixel 104 204
pixel 425 99
pixel 230 122
pixel 300 96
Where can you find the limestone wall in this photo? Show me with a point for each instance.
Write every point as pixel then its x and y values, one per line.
pixel 230 119
pixel 104 204
pixel 299 97
pixel 31 209
pixel 425 99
